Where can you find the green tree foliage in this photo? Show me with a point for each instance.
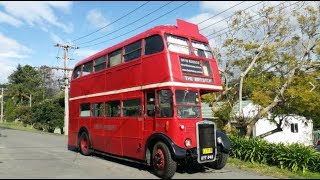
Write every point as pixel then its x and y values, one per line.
pixel 275 60
pixel 48 115
pixel 9 111
pixel 27 84
pixel 23 82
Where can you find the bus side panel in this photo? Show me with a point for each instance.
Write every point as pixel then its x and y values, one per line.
pixel 216 75
pixel 113 140
pixel 73 123
pixel 155 69
pixel 125 76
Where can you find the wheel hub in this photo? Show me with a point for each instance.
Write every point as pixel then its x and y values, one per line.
pixel 159 160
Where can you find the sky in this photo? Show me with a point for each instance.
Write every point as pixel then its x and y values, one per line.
pixel 30 29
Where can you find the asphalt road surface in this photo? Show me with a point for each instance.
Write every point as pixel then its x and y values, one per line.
pixel 36 155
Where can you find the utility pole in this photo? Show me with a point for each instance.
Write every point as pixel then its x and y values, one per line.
pixel 66 84
pixel 1 105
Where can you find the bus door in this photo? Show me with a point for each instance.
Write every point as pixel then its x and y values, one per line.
pixel 132 128
pixel 149 112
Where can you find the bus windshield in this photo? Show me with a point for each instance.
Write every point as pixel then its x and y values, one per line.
pixel 188 105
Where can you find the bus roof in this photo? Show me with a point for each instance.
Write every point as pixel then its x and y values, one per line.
pixel 183 28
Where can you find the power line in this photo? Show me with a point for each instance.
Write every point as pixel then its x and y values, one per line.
pixel 111 22
pixel 230 16
pixel 221 12
pixel 126 25
pixel 250 21
pixel 139 26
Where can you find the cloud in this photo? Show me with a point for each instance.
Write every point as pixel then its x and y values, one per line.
pixel 55 38
pixel 5 18
pixel 205 27
pixel 85 53
pixel 11 53
pixel 7 68
pixel 96 19
pixel 38 12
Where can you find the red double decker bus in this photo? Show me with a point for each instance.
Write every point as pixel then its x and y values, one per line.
pixel 140 100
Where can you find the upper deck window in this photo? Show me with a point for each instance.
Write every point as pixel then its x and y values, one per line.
pixel 201 49
pixel 100 63
pixel 178 44
pixel 87 68
pixel 115 58
pixel 76 72
pixel 132 51
pixel 153 44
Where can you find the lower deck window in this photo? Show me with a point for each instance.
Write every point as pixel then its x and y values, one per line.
pixel 85 110
pixel 113 109
pixel 97 109
pixel 131 107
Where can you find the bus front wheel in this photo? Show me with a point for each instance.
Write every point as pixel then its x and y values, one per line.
pixel 162 162
pixel 84 144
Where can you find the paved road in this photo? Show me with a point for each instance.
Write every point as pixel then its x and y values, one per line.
pixel 34 155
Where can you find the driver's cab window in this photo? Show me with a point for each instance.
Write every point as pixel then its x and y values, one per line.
pixel 165 103
pixel 150 104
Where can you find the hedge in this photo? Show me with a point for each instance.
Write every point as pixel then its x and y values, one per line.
pixel 294 157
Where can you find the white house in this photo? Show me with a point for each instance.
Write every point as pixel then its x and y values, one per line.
pixel 295 129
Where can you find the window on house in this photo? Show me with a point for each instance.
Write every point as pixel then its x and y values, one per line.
pixel 294 127
pixel 85 110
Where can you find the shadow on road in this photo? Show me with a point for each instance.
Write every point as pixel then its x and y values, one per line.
pixel 191 168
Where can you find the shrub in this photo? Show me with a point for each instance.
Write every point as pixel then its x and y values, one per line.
pixel 294 157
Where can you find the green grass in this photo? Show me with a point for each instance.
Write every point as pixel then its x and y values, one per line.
pixel 272 171
pixel 19 126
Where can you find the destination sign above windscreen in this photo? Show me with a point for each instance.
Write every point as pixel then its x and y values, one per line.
pixel 190 66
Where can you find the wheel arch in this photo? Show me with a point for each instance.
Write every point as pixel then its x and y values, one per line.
pixel 176 151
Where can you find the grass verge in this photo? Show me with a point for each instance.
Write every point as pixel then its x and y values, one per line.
pixel 272 171
pixel 19 126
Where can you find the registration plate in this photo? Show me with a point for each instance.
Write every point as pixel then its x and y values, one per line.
pixel 207 150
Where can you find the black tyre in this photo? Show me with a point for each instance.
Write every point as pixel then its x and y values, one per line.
pixel 162 162
pixel 220 162
pixel 84 144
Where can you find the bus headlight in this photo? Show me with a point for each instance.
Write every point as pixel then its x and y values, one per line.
pixel 219 140
pixel 187 142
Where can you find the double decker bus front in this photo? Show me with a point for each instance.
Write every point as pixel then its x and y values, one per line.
pixel 194 71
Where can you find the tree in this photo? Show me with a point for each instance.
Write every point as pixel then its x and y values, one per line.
pixel 25 82
pixel 48 115
pixel 270 54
